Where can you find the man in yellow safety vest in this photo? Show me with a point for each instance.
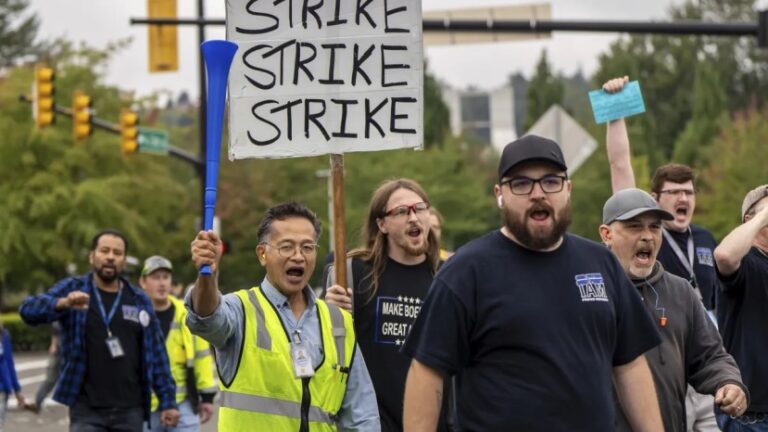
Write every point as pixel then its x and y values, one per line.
pixel 287 360
pixel 189 356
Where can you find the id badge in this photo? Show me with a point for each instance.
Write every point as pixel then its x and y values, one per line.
pixel 115 349
pixel 302 361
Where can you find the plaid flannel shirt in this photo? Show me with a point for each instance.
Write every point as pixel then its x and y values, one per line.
pixel 41 309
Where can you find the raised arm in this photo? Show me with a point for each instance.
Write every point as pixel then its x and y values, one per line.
pixel 206 250
pixel 637 395
pixel 617 145
pixel 736 245
pixel 423 398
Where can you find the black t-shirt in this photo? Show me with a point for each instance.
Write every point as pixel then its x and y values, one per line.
pixel 704 245
pixel 532 336
pixel 743 317
pixel 166 317
pixel 381 324
pixel 113 382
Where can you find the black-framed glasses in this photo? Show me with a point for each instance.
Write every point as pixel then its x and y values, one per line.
pixel 551 183
pixel 418 208
pixel 287 250
pixel 678 192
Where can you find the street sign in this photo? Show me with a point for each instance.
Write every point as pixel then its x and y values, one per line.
pixel 577 144
pixel 153 141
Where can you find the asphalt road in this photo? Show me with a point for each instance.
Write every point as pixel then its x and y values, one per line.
pixel 54 417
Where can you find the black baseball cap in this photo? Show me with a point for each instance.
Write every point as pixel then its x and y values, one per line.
pixel 529 148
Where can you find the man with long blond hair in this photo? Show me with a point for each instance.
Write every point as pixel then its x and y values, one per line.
pixel 391 274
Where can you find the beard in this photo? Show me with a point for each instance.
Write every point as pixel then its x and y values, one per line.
pixel 403 242
pixel 101 272
pixel 538 239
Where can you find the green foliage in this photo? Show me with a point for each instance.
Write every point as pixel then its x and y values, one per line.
pixel 437 124
pixel 17 31
pixel 23 336
pixel 741 165
pixel 708 106
pixel 56 195
pixel 544 90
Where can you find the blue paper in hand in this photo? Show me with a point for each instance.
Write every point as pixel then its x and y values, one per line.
pixel 613 106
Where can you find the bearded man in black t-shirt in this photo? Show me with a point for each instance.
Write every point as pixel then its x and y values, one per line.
pixel 742 264
pixel 534 323
pixel 390 277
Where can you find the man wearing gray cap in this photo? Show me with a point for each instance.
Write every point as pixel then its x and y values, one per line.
pixel 691 351
pixel 742 265
pixel 535 323
pixel 189 356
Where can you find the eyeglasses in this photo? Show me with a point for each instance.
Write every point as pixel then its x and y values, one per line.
pixel 678 192
pixel 287 250
pixel 418 208
pixel 524 185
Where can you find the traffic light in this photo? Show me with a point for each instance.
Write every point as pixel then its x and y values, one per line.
pixel 129 131
pixel 162 39
pixel 43 96
pixel 81 116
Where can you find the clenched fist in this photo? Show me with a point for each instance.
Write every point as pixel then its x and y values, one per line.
pixel 74 300
pixel 206 250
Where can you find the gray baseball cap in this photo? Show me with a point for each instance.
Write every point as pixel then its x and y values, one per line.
pixel 752 198
pixel 154 263
pixel 628 203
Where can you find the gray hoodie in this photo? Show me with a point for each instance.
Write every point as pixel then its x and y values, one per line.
pixel 691 351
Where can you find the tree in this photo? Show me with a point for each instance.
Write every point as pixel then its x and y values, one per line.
pixel 544 90
pixel 56 195
pixel 708 107
pixel 17 32
pixel 437 124
pixel 741 165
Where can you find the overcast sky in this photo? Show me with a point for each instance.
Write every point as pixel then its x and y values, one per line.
pixel 484 66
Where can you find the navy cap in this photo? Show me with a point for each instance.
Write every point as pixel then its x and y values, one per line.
pixel 530 148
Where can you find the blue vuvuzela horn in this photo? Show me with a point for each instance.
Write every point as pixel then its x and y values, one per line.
pixel 218 56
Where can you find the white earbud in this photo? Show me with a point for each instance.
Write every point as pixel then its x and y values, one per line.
pixel 500 201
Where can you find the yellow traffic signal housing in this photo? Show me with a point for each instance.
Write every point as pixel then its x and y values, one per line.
pixel 129 132
pixel 43 96
pixel 162 39
pixel 81 116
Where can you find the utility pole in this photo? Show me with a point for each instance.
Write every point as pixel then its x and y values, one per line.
pixel 202 127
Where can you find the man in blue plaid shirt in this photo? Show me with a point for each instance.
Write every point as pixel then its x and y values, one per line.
pixel 113 350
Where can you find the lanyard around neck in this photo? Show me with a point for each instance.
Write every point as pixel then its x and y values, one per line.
pixel 108 318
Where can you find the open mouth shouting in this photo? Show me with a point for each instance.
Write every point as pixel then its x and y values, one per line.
pixel 295 274
pixel 414 232
pixel 540 214
pixel 682 212
pixel 644 256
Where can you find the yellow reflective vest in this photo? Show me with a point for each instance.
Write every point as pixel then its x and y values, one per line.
pixel 265 394
pixel 185 350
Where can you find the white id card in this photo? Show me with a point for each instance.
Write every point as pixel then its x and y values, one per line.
pixel 115 349
pixel 302 361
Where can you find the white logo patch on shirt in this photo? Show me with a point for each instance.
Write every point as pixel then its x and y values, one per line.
pixel 131 313
pixel 704 256
pixel 591 287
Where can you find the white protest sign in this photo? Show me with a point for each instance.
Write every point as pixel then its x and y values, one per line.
pixel 313 77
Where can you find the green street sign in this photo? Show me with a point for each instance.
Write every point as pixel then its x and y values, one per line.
pixel 153 141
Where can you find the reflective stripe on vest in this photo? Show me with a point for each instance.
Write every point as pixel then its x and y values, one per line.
pixel 271 406
pixel 263 340
pixel 338 331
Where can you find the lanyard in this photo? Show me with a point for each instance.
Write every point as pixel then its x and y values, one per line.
pixel 108 318
pixel 687 263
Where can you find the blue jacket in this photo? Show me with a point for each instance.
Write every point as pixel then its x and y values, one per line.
pixel 41 309
pixel 9 383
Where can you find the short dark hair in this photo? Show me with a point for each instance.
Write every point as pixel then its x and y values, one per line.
pixel 284 211
pixel 112 232
pixel 675 173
